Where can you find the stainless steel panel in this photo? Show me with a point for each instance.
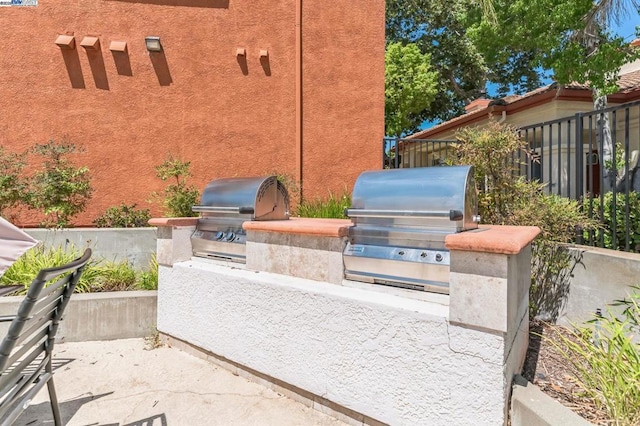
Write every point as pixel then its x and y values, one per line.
pixel 436 197
pixel 258 198
pixel 230 246
pixel 394 266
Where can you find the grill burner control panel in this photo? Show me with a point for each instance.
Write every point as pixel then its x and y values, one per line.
pixel 228 236
pixel 436 257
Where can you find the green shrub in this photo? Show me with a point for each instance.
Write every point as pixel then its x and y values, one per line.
pixel 25 269
pixel 13 183
pixel 332 207
pixel 178 197
pixel 113 276
pixel 505 198
pixel 60 189
pixel 148 279
pixel 98 276
pixel 123 216
pixel 605 358
pixel 617 212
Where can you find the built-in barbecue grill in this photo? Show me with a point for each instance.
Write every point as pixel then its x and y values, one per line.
pixel 226 204
pixel 400 220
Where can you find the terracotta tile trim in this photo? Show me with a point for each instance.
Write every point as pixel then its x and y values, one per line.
pixel 302 226
pixel 493 239
pixel 173 221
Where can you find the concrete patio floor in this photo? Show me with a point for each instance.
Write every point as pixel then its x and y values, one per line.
pixel 122 383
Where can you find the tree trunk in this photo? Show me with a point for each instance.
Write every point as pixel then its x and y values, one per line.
pixel 603 134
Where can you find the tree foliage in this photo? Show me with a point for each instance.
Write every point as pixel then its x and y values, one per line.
pixel 13 183
pixel 59 188
pixel 516 44
pixel 178 197
pixel 438 28
pixel 410 87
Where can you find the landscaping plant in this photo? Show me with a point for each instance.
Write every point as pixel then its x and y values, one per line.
pixel 331 207
pixel 60 189
pixel 123 216
pixel 99 275
pixel 178 197
pixel 609 212
pixel 505 198
pixel 605 359
pixel 13 184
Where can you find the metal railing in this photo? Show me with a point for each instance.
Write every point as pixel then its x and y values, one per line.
pixel 568 156
pixel 399 153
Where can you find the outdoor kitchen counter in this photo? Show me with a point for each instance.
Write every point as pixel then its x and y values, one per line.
pixel 493 239
pixel 302 226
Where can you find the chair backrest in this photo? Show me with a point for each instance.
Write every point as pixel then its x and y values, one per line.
pixel 26 349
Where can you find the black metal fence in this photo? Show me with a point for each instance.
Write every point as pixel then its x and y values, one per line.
pixel 569 155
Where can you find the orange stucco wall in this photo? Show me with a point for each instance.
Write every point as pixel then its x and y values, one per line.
pixel 197 100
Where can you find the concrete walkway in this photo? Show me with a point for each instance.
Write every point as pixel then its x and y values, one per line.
pixel 120 383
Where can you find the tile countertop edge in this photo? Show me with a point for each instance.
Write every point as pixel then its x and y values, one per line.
pixel 497 239
pixel 302 226
pixel 173 221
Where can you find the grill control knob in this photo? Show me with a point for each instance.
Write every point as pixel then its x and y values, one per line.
pixel 231 236
pixel 423 254
pixel 219 235
pixel 438 257
pixel 401 253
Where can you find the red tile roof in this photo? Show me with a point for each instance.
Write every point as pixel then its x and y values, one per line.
pixel 628 83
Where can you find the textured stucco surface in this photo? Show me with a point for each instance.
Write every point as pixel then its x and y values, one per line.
pixel 228 115
pixel 393 359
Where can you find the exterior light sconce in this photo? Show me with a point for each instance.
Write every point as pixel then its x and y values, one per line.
pixel 118 46
pixel 241 51
pixel 65 41
pixel 90 43
pixel 264 53
pixel 153 44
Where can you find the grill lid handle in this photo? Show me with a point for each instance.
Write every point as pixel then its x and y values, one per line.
pixel 453 215
pixel 220 209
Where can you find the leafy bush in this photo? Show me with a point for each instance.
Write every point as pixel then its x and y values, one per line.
pixel 25 269
pixel 617 212
pixel 507 199
pixel 112 276
pixel 13 184
pixel 59 189
pixel 148 280
pixel 123 216
pixel 605 358
pixel 98 276
pixel 332 207
pixel 178 197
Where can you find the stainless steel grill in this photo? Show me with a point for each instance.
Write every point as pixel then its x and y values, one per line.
pixel 226 204
pixel 400 220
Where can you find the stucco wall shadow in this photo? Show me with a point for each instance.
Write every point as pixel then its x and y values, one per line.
pixel 218 4
pixel 74 68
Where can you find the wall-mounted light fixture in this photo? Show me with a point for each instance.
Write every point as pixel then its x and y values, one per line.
pixel 65 41
pixel 241 51
pixel 118 46
pixel 153 44
pixel 264 53
pixel 90 43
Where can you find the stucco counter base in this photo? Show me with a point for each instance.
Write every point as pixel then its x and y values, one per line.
pixel 388 358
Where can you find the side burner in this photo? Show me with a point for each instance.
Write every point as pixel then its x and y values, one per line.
pixel 226 204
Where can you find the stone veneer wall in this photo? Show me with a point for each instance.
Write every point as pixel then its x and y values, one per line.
pixel 382 356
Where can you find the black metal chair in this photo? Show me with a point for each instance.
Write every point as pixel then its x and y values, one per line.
pixel 26 350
